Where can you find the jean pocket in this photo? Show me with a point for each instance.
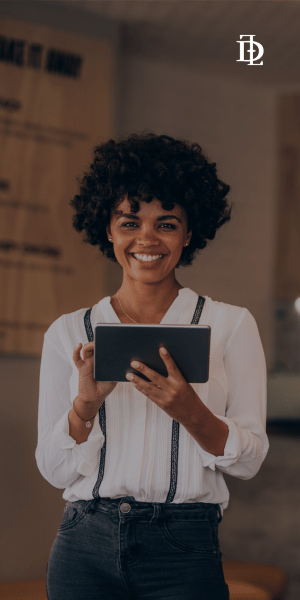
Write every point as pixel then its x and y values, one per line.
pixel 71 516
pixel 196 535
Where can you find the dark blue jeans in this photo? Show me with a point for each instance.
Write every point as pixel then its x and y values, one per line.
pixel 121 549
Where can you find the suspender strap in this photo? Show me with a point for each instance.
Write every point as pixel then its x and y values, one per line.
pixel 175 424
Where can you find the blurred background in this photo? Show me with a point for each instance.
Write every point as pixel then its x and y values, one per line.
pixel 173 69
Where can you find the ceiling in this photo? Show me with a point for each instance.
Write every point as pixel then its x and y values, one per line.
pixel 204 34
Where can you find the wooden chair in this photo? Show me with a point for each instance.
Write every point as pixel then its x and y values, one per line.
pixel 24 590
pixel 266 578
pixel 247 591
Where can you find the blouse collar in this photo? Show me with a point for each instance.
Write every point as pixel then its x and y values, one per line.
pixel 180 312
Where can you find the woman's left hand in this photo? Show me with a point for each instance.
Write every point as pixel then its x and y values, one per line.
pixel 173 393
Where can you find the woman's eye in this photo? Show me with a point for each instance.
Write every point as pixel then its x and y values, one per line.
pixel 163 225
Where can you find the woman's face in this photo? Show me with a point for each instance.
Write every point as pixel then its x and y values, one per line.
pixel 148 244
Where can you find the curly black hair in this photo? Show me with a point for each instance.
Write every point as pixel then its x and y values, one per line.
pixel 147 166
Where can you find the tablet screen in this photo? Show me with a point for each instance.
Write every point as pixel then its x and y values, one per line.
pixel 117 344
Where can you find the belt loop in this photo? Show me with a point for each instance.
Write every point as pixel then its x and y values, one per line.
pixel 89 508
pixel 156 513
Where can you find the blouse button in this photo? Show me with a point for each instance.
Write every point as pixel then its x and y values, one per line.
pixel 125 507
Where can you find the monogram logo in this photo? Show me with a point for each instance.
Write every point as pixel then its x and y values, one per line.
pixel 253 46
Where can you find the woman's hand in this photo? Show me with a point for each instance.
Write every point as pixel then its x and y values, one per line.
pixel 173 393
pixel 90 391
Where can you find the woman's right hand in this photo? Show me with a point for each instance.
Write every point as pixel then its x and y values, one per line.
pixel 90 391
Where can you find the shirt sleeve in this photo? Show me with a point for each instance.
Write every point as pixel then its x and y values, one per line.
pixel 60 460
pixel 245 365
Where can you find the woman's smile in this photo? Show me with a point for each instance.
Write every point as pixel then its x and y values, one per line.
pixel 147 258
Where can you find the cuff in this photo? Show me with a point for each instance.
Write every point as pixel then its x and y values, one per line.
pixel 87 453
pixel 232 450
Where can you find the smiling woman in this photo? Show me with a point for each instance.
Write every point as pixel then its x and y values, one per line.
pixel 148 451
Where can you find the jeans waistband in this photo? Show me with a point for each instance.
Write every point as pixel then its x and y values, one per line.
pixel 128 506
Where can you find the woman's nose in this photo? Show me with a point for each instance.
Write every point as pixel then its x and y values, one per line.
pixel 147 237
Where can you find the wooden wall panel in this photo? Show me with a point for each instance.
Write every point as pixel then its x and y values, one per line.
pixel 287 270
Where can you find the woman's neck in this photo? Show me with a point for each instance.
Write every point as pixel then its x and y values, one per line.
pixel 144 303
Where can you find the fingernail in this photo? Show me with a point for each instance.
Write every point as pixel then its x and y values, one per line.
pixel 164 351
pixel 129 376
pixel 135 364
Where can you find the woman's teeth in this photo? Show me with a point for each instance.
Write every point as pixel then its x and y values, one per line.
pixel 146 257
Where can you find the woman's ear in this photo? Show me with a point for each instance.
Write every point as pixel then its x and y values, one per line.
pixel 108 232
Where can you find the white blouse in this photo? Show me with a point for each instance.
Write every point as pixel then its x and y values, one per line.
pixel 138 432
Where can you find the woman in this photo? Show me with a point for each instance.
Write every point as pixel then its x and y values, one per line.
pixel 142 453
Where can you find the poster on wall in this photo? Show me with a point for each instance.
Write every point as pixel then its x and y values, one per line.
pixel 55 106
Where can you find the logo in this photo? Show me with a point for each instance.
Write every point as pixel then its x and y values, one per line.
pixel 251 60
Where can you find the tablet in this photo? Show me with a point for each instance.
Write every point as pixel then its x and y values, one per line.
pixel 117 344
